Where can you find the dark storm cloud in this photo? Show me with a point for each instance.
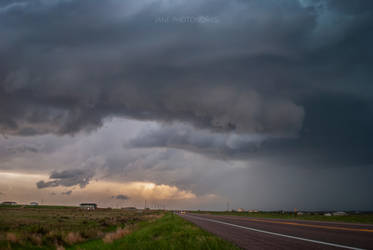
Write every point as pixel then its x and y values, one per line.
pixel 336 133
pixel 296 73
pixel 121 197
pixel 217 145
pixel 203 80
pixel 68 178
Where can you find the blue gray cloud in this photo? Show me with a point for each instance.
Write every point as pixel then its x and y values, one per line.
pixel 68 178
pixel 67 192
pixel 121 197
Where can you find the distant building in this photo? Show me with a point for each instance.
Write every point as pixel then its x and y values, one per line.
pixel 253 211
pixel 240 210
pixel 9 203
pixel 88 206
pixel 300 213
pixel 339 213
pixel 129 208
pixel 327 214
pixel 34 203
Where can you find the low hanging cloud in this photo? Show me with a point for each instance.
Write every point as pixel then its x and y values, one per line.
pixel 24 148
pixel 67 192
pixel 206 74
pixel 182 136
pixel 121 197
pixel 68 178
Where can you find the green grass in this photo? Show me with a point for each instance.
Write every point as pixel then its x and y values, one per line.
pixel 365 218
pixel 168 232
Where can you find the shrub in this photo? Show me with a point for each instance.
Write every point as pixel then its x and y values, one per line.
pixel 73 237
pixel 60 247
pixel 36 239
pixel 110 237
pixel 11 237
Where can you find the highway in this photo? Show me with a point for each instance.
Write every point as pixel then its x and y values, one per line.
pixel 258 233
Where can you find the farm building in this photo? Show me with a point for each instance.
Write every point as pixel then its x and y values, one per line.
pixel 34 203
pixel 240 210
pixel 88 206
pixel 9 203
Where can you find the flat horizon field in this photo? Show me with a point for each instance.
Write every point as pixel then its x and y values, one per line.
pixel 59 227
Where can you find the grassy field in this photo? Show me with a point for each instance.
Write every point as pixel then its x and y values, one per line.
pixel 366 218
pixel 168 232
pixel 45 227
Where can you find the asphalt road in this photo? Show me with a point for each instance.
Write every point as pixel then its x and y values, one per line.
pixel 258 233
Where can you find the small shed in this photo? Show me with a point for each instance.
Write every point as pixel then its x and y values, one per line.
pixel 88 206
pixel 34 203
pixel 240 210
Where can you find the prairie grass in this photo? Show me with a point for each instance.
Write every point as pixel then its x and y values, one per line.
pixel 119 233
pixel 43 227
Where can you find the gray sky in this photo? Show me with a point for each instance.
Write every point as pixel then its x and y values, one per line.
pixel 266 104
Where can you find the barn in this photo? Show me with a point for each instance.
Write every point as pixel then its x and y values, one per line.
pixel 9 203
pixel 88 206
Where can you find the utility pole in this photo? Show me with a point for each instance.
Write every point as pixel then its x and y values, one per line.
pixel 145 205
pixel 228 206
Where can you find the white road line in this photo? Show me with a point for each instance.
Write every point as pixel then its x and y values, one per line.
pixel 277 234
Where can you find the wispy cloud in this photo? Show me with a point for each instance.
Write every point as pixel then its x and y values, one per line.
pixel 67 192
pixel 121 197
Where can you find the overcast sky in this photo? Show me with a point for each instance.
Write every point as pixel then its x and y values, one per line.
pixel 265 104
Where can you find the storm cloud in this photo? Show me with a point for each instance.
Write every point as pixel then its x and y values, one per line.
pixel 205 96
pixel 226 76
pixel 212 144
pixel 68 178
pixel 191 85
